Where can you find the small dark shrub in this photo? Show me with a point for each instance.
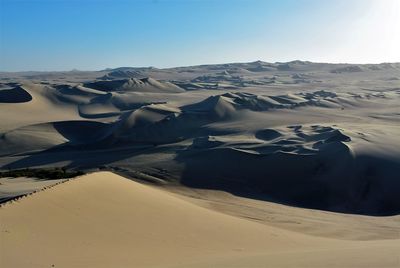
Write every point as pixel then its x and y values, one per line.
pixel 49 174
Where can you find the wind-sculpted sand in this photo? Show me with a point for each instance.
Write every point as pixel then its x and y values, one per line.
pixel 104 220
pixel 270 164
pixel 313 135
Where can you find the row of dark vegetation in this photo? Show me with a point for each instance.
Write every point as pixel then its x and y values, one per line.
pixel 48 173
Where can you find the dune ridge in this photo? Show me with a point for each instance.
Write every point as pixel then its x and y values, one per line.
pixel 133 84
pixel 147 227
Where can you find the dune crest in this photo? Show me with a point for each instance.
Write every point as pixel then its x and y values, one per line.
pixel 133 84
pixel 103 219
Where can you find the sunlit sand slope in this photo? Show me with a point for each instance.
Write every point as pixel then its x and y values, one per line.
pixel 104 220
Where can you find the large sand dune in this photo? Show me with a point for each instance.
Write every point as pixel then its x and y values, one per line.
pixel 104 220
pixel 133 84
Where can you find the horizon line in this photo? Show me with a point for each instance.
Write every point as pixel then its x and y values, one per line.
pixel 197 65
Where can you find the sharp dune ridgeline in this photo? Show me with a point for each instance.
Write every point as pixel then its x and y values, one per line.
pixel 293 156
pixel 103 220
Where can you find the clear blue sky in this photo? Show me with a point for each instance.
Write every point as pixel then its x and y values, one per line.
pixel 96 34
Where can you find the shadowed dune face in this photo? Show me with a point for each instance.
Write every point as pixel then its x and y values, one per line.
pixel 314 168
pixel 267 134
pixel 307 134
pixel 82 132
pixel 350 185
pixel 14 95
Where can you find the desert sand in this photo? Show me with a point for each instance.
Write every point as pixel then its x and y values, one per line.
pixel 286 164
pixel 105 220
pixel 313 135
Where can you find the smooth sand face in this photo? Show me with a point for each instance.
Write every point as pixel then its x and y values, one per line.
pixel 307 221
pixel 104 220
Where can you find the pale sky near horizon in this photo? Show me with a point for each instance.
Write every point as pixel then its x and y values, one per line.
pixel 96 34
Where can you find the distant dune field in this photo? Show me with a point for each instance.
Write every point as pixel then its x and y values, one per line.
pixel 313 135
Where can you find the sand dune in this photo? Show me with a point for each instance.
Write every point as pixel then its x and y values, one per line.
pixel 132 84
pixel 348 69
pixel 306 134
pixel 123 73
pixel 287 164
pixel 14 95
pixel 103 220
